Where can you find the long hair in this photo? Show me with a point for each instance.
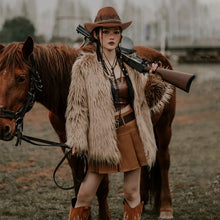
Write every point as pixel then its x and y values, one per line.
pixel 99 52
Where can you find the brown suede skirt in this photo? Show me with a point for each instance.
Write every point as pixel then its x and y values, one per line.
pixel 130 147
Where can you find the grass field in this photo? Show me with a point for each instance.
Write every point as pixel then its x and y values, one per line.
pixel 28 192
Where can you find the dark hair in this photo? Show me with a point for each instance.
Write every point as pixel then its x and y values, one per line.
pixel 96 31
pixel 92 38
pixel 114 91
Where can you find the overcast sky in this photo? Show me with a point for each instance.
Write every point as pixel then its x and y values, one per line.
pixel 94 5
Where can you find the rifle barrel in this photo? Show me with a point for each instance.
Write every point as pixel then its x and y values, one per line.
pixel 80 29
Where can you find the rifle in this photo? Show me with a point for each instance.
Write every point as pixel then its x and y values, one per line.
pixel 178 79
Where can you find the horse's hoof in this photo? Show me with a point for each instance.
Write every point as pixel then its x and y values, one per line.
pixel 168 214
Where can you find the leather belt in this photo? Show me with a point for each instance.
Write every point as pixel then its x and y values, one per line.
pixel 124 119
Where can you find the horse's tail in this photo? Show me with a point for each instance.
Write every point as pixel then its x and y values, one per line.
pixel 151 184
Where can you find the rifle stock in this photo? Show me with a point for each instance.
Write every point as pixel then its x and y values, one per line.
pixel 179 79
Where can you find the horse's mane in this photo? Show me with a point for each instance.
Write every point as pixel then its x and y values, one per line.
pixel 54 58
pixel 11 57
pixel 53 62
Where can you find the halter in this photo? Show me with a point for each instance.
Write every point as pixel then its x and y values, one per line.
pixel 35 84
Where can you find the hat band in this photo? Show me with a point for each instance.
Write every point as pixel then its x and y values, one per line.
pixel 108 21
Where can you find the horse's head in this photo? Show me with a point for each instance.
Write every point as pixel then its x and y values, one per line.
pixel 14 84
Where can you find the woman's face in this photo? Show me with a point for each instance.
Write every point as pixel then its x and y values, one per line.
pixel 109 37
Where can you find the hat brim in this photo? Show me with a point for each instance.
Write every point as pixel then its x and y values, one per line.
pixel 91 26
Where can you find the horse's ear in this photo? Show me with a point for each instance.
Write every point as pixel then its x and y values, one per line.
pixel 1 47
pixel 28 47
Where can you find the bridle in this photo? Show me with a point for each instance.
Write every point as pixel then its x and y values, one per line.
pixel 35 84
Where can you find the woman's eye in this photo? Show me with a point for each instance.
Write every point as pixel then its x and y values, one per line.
pixel 20 79
pixel 117 32
pixel 105 32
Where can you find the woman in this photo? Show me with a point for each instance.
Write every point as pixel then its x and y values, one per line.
pixel 108 117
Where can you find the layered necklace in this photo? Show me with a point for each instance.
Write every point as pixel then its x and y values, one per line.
pixel 109 70
pixel 118 59
pixel 110 67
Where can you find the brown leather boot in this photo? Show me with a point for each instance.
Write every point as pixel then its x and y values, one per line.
pixel 80 213
pixel 132 213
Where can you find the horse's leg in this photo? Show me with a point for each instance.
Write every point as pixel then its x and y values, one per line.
pixel 102 192
pixel 163 199
pixel 155 182
pixel 145 184
pixel 163 135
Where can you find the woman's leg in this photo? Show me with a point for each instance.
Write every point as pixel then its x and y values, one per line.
pixel 132 187
pixel 132 205
pixel 88 188
pixel 87 191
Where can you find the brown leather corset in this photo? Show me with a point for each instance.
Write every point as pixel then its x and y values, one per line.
pixel 123 93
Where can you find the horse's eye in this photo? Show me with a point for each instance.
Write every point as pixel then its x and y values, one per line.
pixel 20 79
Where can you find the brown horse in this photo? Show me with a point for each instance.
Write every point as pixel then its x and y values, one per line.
pixel 54 63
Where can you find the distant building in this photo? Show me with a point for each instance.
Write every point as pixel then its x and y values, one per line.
pixel 186 23
pixel 68 15
pixel 153 23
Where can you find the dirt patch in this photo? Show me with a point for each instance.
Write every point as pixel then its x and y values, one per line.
pixel 33 176
pixel 14 165
pixel 196 118
pixel 37 116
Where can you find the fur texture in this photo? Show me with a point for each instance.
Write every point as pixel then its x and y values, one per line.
pixel 157 92
pixel 90 120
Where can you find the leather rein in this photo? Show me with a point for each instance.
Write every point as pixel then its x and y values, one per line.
pixel 36 84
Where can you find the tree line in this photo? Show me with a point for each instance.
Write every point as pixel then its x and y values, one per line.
pixel 17 29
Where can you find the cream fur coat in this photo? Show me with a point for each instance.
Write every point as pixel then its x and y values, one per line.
pixel 90 115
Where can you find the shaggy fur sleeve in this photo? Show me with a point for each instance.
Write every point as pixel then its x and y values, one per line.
pixel 77 111
pixel 157 92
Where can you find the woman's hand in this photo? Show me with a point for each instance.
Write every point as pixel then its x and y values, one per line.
pixel 75 151
pixel 154 67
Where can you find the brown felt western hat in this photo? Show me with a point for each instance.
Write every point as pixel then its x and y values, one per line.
pixel 106 17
